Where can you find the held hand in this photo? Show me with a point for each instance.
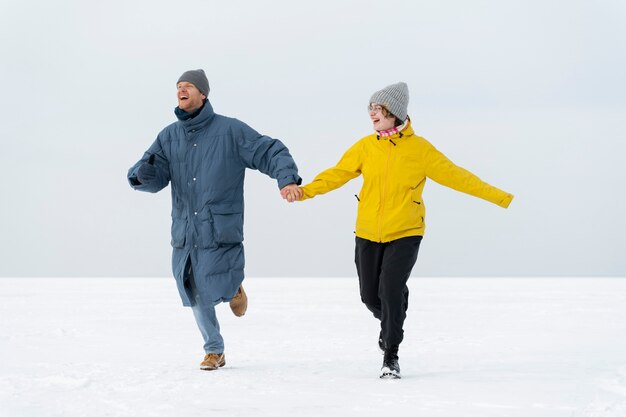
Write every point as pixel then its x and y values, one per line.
pixel 291 193
pixel 147 171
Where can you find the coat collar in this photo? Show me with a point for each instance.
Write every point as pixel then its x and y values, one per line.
pixel 205 115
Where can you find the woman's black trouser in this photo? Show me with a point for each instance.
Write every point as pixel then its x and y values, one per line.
pixel 384 270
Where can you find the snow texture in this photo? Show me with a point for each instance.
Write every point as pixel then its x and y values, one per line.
pixel 307 347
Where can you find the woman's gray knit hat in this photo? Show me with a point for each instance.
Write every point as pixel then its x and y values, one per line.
pixel 197 78
pixel 395 98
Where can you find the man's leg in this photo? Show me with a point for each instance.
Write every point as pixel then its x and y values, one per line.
pixel 204 313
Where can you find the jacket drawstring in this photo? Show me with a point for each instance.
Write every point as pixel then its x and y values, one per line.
pixel 394 144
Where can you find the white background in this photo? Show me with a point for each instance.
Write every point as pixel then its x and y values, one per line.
pixel 529 95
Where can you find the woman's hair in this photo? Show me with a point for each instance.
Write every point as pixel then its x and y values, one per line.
pixel 387 114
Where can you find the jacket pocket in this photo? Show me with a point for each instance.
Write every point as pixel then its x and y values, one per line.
pixel 418 210
pixel 227 222
pixel 179 231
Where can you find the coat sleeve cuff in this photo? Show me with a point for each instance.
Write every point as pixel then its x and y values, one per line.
pixel 291 179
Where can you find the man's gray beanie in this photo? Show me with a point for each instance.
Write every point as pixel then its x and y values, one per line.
pixel 197 78
pixel 395 98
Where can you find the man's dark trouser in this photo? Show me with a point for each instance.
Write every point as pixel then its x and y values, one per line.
pixel 384 270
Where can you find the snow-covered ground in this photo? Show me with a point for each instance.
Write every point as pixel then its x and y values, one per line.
pixel 307 347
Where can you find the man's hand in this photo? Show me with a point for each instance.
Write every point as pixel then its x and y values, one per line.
pixel 291 193
pixel 147 171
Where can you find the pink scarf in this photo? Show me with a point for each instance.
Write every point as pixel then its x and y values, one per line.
pixel 392 131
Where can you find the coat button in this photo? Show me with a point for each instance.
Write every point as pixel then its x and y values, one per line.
pixel 195 213
pixel 194 178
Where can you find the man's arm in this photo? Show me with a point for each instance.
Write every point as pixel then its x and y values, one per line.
pixel 268 155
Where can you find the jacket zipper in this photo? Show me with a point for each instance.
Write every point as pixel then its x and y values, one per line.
pixel 384 195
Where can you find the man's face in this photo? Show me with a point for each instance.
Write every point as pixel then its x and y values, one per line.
pixel 189 97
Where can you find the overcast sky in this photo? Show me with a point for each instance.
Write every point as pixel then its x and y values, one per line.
pixel 529 95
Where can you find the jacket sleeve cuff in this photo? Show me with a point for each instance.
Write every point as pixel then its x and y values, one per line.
pixel 506 201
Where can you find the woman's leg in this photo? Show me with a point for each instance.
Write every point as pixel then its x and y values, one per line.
pixel 398 260
pixel 368 259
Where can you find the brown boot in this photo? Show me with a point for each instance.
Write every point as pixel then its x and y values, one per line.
pixel 239 303
pixel 212 361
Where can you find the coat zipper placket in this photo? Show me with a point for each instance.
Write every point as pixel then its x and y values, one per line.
pixel 192 207
pixel 383 197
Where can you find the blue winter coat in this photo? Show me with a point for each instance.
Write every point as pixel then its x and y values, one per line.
pixel 205 158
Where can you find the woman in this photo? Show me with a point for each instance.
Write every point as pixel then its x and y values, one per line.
pixel 395 163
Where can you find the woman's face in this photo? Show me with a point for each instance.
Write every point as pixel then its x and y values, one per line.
pixel 380 121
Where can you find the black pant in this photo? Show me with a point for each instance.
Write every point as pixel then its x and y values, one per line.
pixel 384 269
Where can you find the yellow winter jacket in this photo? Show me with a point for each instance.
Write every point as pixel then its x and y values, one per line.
pixel 394 172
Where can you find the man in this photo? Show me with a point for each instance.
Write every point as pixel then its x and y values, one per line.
pixel 204 156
